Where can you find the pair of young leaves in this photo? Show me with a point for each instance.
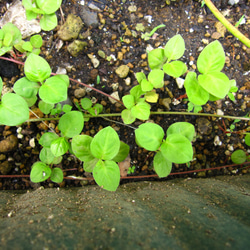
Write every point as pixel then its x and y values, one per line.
pixel 177 147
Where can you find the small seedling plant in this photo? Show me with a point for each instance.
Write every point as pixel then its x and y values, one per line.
pixel 101 153
pixel 44 10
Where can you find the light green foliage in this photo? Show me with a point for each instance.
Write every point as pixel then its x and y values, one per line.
pixel 177 147
pixel 247 139
pixel 147 35
pixel 100 155
pixel 163 58
pixel 211 84
pixel 238 156
pixel 131 170
pixel 45 10
pixel 94 110
pixel 9 36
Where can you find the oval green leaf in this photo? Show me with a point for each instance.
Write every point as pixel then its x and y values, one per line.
pixel 174 48
pixel 238 156
pixel 156 58
pixel 106 144
pixel 141 110
pixel 107 175
pixel 155 77
pixel 48 22
pixel 123 152
pixel 26 88
pixel 13 110
pixel 49 6
pixel 177 149
pixel 39 172
pixel 182 128
pixel 149 136
pixel 162 166
pixel 36 68
pixel 81 147
pixel 212 58
pixel 56 175
pixel 128 101
pixel 196 94
pixel 46 156
pixel 71 124
pixel 127 116
pixel 175 68
pixel 59 146
pixel 47 138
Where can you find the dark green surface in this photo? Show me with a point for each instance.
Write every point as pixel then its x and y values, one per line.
pixel 178 214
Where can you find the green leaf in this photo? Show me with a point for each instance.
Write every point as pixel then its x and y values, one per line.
pixel 149 136
pixel 36 68
pixel 155 77
pixel 141 110
pixel 47 138
pixel 36 41
pixel 54 90
pixel 128 101
pixel 13 32
pixel 13 110
pixel 59 146
pixel 238 156
pixel 1 86
pixel 86 103
pixel 151 97
pixel 175 68
pixel 89 165
pixel 96 109
pixel 146 85
pixel 49 6
pixel 48 22
pixel 27 46
pixel 81 147
pixel 123 152
pixel 31 14
pixel 26 88
pixel 212 58
pixel 56 175
pixel 127 116
pixel 174 48
pixel 71 124
pixel 106 144
pixel 39 172
pixel 182 128
pixel 247 139
pixel 140 76
pixel 45 107
pixel 162 166
pixel 107 175
pixel 46 156
pixel 196 94
pixel 136 92
pixel 5 50
pixel 177 149
pixel 156 58
pixel 215 83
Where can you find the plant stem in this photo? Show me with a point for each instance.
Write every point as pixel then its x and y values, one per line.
pixel 227 24
pixel 152 113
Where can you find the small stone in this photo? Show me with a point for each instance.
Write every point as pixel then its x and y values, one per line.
pixel 89 17
pixel 132 8
pixel 94 60
pixel 71 28
pixel 144 56
pixel 5 167
pixel 221 29
pixel 9 144
pixel 113 37
pixel 122 71
pixel 128 32
pixel 217 141
pixel 116 96
pixel 216 35
pixel 76 47
pixel 94 73
pixel 180 82
pixel 205 41
pixel 124 166
pixel 204 126
pixel 120 56
pixel 32 142
pixel 128 81
pixel 79 93
pixel 165 102
pixel 101 54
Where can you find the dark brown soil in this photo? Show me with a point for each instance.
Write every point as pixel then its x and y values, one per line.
pixel 179 17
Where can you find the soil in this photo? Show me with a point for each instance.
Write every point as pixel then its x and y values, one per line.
pixel 197 26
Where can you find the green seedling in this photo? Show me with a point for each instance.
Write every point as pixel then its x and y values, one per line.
pixel 211 84
pixel 9 36
pixel 131 170
pixel 54 147
pixel 166 58
pixel 31 46
pixel 44 10
pixel 100 155
pixel 87 105
pixel 146 36
pixel 240 21
pixel 37 79
pixel 176 148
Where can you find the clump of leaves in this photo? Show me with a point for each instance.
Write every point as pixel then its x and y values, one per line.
pixel 9 36
pixel 176 148
pixel 211 84
pixel 44 10
pixel 100 154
